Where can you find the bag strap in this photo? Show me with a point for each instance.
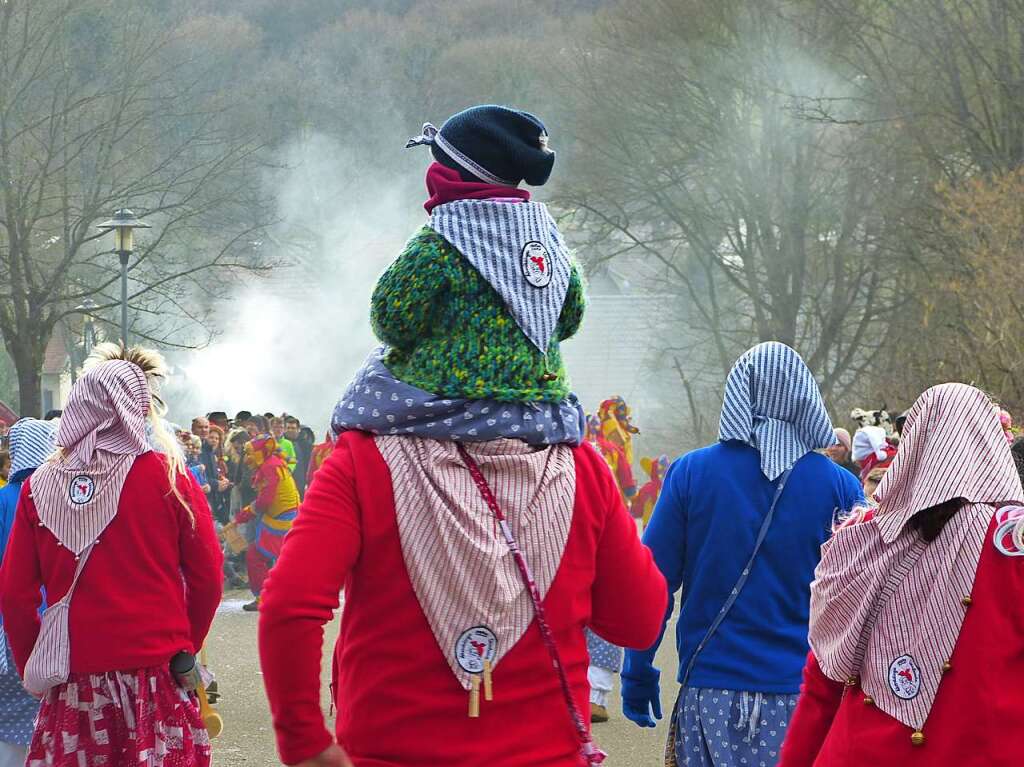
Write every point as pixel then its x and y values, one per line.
pixel 82 559
pixel 591 754
pixel 742 580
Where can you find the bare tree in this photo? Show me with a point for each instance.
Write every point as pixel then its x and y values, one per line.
pixel 101 107
pixel 699 156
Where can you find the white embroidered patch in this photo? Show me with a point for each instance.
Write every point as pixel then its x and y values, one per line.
pixel 905 678
pixel 82 489
pixel 474 646
pixel 536 264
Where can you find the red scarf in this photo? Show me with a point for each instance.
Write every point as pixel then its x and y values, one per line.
pixel 445 185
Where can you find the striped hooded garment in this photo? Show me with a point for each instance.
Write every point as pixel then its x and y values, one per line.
pixel 877 573
pixel 773 404
pixel 102 431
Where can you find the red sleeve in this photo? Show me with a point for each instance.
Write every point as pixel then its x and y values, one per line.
pixel 21 579
pixel 819 700
pixel 202 560
pixel 299 597
pixel 268 481
pixel 629 595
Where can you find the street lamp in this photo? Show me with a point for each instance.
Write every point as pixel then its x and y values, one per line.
pixel 121 225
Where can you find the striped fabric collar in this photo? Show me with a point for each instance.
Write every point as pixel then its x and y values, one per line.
pixel 518 249
pixel 889 614
pixel 773 404
pixel 465 581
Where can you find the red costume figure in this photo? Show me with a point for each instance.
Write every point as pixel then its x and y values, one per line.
pixel 642 505
pixel 320 454
pixel 275 508
pixel 613 436
pixel 917 608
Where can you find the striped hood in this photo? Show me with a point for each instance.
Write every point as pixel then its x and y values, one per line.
pixel 950 427
pixel 517 248
pixel 102 431
pixel 887 607
pixel 31 442
pixel 773 404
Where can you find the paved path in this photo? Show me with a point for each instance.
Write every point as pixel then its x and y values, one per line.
pixel 248 739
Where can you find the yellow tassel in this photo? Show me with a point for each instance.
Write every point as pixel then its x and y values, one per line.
pixel 474 697
pixel 488 686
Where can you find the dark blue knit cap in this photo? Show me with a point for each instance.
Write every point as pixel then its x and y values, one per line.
pixel 493 144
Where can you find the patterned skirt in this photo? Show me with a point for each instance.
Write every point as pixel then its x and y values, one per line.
pixel 726 728
pixel 120 719
pixel 17 708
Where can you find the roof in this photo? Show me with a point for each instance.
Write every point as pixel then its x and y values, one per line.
pixel 7 414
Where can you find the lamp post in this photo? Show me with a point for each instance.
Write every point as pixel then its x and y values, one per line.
pixel 121 225
pixel 87 307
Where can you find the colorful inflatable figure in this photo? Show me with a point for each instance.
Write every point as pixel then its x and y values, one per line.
pixel 643 502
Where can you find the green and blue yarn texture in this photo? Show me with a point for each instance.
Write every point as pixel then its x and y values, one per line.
pixel 449 333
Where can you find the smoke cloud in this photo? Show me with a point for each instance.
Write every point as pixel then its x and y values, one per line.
pixel 290 342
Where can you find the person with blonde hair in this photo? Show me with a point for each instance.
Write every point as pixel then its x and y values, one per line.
pixel 917 608
pixel 122 540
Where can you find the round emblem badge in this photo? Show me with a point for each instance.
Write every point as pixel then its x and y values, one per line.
pixel 474 646
pixel 905 678
pixel 82 489
pixel 536 264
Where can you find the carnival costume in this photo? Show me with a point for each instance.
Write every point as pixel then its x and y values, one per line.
pixel 321 452
pixel 102 524
pixel 611 433
pixel 739 526
pixel 916 639
pixel 642 505
pixel 274 510
pixel 474 536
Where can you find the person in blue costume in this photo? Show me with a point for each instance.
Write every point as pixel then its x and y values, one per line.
pixel 739 528
pixel 31 443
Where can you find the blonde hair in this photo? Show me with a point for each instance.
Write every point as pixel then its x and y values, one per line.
pixel 153 365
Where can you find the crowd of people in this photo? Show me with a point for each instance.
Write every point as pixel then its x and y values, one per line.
pixel 843 600
pixel 253 470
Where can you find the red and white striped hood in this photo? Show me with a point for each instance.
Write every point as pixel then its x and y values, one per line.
pixel 102 431
pixel 460 567
pixel 888 607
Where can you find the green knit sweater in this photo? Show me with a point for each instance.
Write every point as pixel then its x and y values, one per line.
pixel 449 332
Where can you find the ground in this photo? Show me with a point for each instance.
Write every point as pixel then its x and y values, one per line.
pixel 248 739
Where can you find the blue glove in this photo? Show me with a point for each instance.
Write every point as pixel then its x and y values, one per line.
pixel 639 710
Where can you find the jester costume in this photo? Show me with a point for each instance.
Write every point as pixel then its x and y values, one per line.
pixel 275 507
pixel 614 439
pixel 642 505
pixel 611 434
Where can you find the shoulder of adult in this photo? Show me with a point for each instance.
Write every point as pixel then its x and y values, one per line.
pixel 592 468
